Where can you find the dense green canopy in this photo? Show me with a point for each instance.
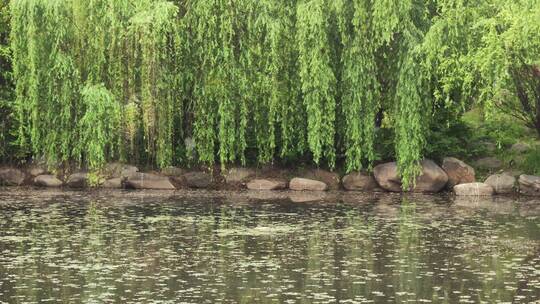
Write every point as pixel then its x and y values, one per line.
pixel 175 82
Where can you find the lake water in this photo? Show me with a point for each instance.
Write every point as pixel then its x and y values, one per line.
pixel 200 247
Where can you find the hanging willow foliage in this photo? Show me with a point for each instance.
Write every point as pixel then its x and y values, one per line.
pixel 317 77
pixel 244 80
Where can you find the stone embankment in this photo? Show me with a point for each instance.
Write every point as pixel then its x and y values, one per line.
pixel 453 175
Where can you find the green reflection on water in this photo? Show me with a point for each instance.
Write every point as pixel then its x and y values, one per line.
pixel 208 251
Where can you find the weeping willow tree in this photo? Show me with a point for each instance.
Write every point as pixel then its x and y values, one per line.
pixel 180 82
pixel 78 64
pixel 6 84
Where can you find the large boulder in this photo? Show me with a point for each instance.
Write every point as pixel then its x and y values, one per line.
pixel 473 189
pixel 458 172
pixel 304 184
pixel 77 180
pixel 47 181
pixel 238 175
pixel 359 181
pixel 148 181
pixel 529 185
pixel 387 177
pixel 432 179
pixel 331 179
pixel 267 184
pixel 501 183
pixel 11 177
pixel 198 180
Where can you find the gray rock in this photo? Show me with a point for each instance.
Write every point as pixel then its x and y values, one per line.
pixel 198 180
pixel 11 177
pixel 172 171
pixel 47 181
pixel 458 172
pixel 304 184
pixel 489 163
pixel 238 175
pixel 520 148
pixel 501 183
pixel 148 181
pixel 387 177
pixel 267 184
pixel 113 183
pixel 473 189
pixel 331 179
pixel 432 180
pixel 77 180
pixel 359 181
pixel 529 185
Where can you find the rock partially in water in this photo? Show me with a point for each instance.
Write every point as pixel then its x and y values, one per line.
pixel 78 180
pixel 149 181
pixel 458 172
pixel 331 179
pixel 199 180
pixel 432 180
pixel 47 181
pixel 11 177
pixel 305 184
pixel 267 184
pixel 387 177
pixel 238 175
pixel 359 181
pixel 502 183
pixel 473 189
pixel 529 185
pixel 113 183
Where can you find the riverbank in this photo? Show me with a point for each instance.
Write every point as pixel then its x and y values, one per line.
pixel 451 176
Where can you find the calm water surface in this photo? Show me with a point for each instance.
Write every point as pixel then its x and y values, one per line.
pixel 137 248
